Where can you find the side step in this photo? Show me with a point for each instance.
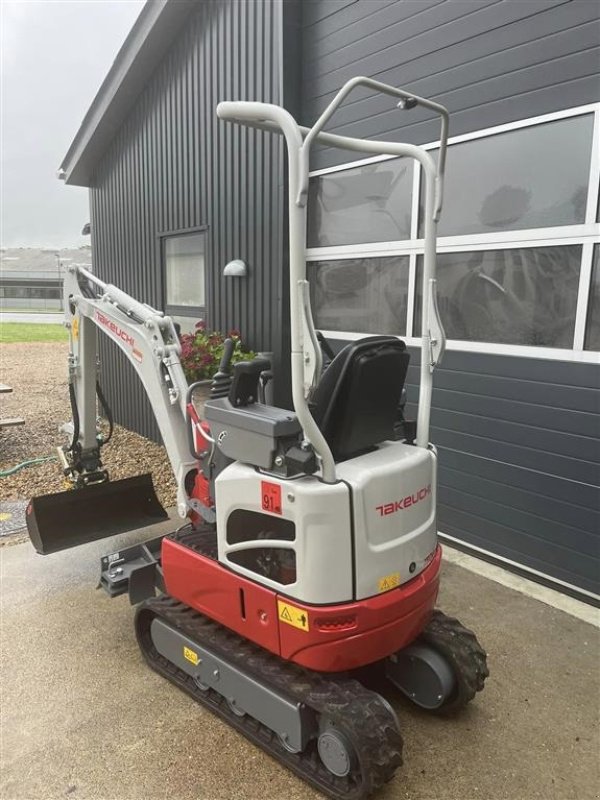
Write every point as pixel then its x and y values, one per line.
pixel 67 519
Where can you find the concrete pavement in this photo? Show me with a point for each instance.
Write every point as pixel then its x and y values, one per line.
pixel 84 718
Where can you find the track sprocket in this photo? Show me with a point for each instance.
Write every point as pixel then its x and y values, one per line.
pixel 463 652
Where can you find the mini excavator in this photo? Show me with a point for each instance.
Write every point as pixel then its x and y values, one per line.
pixel 307 562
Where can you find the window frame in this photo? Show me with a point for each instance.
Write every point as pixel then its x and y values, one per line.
pixel 198 312
pixel 586 234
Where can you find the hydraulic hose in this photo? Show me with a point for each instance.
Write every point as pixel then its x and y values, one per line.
pixel 107 413
pixel 75 413
pixel 29 463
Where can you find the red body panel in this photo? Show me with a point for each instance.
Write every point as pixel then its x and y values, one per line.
pixel 335 638
pixel 383 624
pixel 204 584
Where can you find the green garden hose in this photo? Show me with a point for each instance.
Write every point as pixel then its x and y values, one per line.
pixel 29 463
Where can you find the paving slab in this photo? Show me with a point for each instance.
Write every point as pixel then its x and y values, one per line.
pixel 84 718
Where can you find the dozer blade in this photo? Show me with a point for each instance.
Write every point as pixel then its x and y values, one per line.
pixel 67 519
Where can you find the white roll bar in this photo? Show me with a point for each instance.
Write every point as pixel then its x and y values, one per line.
pixel 305 358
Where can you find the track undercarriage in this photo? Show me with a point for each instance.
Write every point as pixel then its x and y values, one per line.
pixel 328 729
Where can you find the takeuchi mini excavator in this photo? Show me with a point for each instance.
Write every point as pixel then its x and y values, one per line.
pixel 306 569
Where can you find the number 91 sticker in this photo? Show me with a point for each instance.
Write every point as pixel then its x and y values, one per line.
pixel 270 497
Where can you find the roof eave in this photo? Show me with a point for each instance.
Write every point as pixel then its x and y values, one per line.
pixel 158 23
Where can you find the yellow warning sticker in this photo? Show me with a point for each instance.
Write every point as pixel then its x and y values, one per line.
pixel 291 615
pixel 75 328
pixel 191 656
pixel 389 582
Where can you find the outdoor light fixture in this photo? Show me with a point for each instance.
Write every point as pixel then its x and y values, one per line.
pixel 235 269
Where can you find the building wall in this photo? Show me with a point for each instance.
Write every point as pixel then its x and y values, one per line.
pixel 517 435
pixel 518 442
pixel 489 63
pixel 173 166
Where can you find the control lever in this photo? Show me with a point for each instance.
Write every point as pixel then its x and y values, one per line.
pixel 221 382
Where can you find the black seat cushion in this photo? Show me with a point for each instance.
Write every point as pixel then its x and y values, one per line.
pixel 356 401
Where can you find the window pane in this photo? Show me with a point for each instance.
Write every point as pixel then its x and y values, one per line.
pixel 365 295
pixel 184 266
pixel 592 328
pixel 364 204
pixel 526 296
pixel 529 178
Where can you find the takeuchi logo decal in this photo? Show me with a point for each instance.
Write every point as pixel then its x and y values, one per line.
pixel 118 333
pixel 406 502
pixel 114 329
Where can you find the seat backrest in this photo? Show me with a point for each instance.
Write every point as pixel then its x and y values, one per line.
pixel 356 402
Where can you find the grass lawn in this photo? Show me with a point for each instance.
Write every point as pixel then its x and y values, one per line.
pixel 35 332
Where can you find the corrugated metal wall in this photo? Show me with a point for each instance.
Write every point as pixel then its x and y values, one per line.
pixel 519 449
pixel 173 166
pixel 517 437
pixel 488 62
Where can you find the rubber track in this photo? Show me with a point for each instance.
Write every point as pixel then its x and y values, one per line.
pixel 363 715
pixel 459 646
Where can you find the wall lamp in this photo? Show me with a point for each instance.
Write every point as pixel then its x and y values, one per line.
pixel 235 269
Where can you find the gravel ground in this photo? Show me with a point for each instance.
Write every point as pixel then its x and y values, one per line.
pixel 37 374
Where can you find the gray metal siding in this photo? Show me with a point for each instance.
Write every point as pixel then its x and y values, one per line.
pixel 174 166
pixel 489 62
pixel 517 437
pixel 519 449
pixel 518 442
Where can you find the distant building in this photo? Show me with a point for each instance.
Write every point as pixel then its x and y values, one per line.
pixel 30 278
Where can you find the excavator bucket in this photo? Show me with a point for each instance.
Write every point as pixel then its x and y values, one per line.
pixel 67 519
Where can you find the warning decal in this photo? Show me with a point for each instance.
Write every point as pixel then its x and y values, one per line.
pixel 190 655
pixel 270 497
pixel 296 617
pixel 389 582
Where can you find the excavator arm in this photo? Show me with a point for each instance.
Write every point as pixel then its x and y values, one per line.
pixel 99 507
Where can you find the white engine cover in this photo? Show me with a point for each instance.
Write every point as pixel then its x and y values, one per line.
pixel 323 542
pixel 394 500
pixel 387 495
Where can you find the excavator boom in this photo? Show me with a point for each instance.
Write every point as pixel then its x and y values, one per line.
pixel 97 507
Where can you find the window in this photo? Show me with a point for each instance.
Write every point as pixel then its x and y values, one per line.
pixel 533 177
pixel 32 292
pixel 526 296
pixel 184 258
pixel 592 328
pixel 364 204
pixel 514 241
pixel 363 294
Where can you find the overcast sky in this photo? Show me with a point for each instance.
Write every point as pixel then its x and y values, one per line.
pixel 54 56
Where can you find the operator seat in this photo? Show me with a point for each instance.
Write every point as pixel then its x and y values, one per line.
pixel 356 401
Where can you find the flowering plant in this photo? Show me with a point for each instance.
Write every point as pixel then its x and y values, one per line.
pixel 201 352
